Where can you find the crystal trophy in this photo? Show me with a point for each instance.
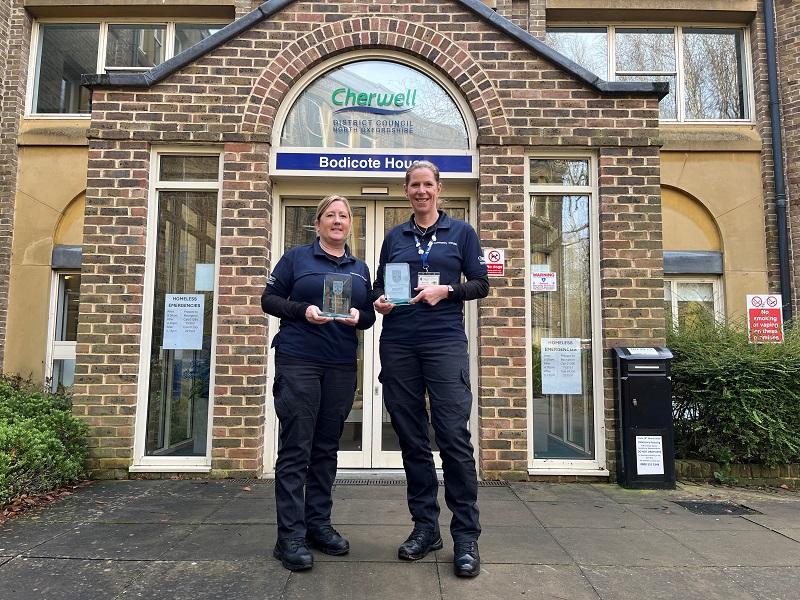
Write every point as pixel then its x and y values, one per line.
pixel 336 295
pixel 397 283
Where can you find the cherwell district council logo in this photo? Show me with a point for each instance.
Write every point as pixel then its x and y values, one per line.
pixel 376 103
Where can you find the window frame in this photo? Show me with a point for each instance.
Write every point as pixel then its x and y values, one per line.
pixel 717 291
pixel 57 349
pixel 103 24
pixel 142 462
pixel 678 34
pixel 561 466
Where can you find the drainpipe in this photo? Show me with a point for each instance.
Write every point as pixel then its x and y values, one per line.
pixel 777 158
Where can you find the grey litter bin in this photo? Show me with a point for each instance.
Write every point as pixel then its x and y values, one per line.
pixel 644 409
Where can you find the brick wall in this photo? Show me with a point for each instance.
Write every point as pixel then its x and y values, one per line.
pixel 528 14
pixel 15 27
pixel 788 44
pixel 230 97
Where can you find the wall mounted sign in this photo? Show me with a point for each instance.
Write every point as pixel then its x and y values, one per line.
pixel 495 261
pixel 561 366
pixel 649 455
pixel 543 281
pixel 183 322
pixel 356 163
pixel 765 319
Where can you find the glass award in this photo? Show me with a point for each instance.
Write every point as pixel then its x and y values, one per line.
pixel 397 283
pixel 336 295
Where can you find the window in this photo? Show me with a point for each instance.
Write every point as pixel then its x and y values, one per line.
pixel 64 330
pixel 704 66
pixel 177 377
pixel 65 51
pixel 686 299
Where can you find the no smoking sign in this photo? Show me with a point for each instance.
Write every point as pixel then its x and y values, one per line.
pixel 765 319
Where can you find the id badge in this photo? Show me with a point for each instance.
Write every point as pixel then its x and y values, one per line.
pixel 427 278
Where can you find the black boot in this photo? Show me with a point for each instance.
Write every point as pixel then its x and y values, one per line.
pixel 419 543
pixel 327 540
pixel 293 554
pixel 466 559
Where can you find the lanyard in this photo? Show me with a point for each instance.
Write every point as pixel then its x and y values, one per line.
pixel 424 253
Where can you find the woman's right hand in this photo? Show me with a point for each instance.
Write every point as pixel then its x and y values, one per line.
pixel 314 316
pixel 383 306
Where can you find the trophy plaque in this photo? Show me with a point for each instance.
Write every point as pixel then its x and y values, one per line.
pixel 397 283
pixel 337 295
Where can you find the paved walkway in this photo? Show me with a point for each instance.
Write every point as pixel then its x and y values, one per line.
pixel 176 540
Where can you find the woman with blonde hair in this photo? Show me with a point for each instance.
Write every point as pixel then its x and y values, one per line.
pixel 315 380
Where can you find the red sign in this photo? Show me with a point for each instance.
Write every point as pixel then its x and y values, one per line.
pixel 765 319
pixel 495 262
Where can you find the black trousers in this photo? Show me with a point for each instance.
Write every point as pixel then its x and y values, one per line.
pixel 441 368
pixel 312 401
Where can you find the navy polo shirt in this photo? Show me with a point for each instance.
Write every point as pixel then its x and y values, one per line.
pixel 456 250
pixel 299 276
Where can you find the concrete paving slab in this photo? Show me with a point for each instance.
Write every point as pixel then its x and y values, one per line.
pixel 592 515
pixel 364 581
pixel 501 582
pixel 362 511
pixel 373 543
pixel 244 509
pixel 514 545
pixel 503 493
pixel 635 583
pixel 162 510
pixel 673 516
pixel 263 488
pixel 59 579
pixel 5 559
pixel 644 497
pixel 625 547
pixel 776 515
pixel 249 541
pixel 761 548
pixel 20 535
pixel 498 512
pixel 556 492
pixel 371 492
pixel 790 533
pixel 114 542
pixel 767 583
pixel 212 580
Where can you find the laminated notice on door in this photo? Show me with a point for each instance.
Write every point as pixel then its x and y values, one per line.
pixel 561 366
pixel 649 455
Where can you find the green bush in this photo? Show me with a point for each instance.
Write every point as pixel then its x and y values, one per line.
pixel 42 445
pixel 735 402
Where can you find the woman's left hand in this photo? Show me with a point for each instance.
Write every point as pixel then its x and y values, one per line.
pixel 432 294
pixel 352 319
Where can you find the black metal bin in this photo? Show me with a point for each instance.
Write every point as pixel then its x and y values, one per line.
pixel 644 409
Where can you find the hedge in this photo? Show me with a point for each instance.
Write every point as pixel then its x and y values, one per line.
pixel 734 402
pixel 42 446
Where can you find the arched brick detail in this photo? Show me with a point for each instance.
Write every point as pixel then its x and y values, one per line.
pixel 374 32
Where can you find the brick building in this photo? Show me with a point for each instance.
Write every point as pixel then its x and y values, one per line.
pixel 149 204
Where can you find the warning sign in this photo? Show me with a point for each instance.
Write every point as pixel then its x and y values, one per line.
pixel 495 261
pixel 765 319
pixel 543 281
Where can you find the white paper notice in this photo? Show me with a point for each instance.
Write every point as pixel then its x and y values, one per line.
pixel 561 366
pixel 204 277
pixel 543 281
pixel 649 455
pixel 183 322
pixel 645 351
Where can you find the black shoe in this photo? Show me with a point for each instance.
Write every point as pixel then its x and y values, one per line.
pixel 419 543
pixel 293 554
pixel 466 559
pixel 327 540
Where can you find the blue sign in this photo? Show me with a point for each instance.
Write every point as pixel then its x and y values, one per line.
pixel 332 162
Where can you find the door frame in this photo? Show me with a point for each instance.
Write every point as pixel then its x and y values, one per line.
pixel 288 189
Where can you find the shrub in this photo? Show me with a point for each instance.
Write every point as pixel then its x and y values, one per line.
pixel 735 402
pixel 42 445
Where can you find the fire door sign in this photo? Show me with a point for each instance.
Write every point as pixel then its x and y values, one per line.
pixel 495 261
pixel 765 319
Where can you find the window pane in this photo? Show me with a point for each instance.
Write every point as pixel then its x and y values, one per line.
pixel 714 74
pixel 189 168
pixel 586 46
pixel 65 52
pixel 69 287
pixel 695 300
pixel 644 50
pixel 135 46
pixel 188 34
pixel 180 359
pixel 560 172
pixel 668 107
pixel 63 375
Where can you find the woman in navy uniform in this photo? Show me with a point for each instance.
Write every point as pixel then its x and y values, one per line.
pixel 423 348
pixel 315 381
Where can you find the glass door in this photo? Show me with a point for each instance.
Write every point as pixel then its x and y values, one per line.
pixel 368 440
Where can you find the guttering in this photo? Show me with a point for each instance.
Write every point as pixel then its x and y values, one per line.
pixel 778 159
